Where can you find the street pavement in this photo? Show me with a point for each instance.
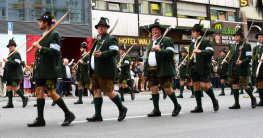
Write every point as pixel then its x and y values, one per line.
pixel 245 122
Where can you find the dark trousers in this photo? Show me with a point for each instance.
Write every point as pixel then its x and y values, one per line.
pixel 216 82
pixel 176 83
pixel 66 86
pixel 59 86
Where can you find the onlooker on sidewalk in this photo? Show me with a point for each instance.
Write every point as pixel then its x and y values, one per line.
pixel 176 78
pixel 66 81
pixel 141 77
pixel 131 81
pixel 27 83
pixel 136 77
pixel 73 80
pixel 2 81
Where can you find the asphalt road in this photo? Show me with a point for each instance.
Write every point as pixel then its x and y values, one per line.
pixel 245 122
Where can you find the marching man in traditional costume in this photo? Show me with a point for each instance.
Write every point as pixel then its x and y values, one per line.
pixel 82 72
pixel 159 68
pixel 124 69
pixel 103 70
pixel 238 69
pixel 200 67
pixel 258 71
pixel 48 67
pixel 13 74
pixel 183 75
pixel 222 71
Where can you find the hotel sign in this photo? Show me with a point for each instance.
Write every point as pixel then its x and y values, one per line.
pixel 130 40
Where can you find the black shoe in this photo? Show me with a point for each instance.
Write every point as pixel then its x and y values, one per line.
pixel 136 91
pixel 241 92
pixel 231 93
pixel 53 103
pixel 235 106
pixel 176 110
pixel 122 99
pixel 164 95
pixel 180 96
pixel 256 91
pixel 68 119
pixel 197 110
pixel 260 103
pixel 254 103
pixel 8 106
pixel 122 114
pixel 154 113
pixel 132 96
pixel 25 102
pixel 151 98
pixel 35 105
pixel 192 96
pixel 222 94
pixel 216 106
pixel 78 102
pixel 37 123
pixel 94 118
pixel 92 102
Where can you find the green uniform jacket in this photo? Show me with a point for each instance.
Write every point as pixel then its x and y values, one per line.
pixel 13 68
pixel 255 58
pixel 182 70
pixel 48 64
pixel 165 60
pixel 105 66
pixel 203 59
pixel 242 70
pixel 222 69
pixel 83 72
pixel 125 68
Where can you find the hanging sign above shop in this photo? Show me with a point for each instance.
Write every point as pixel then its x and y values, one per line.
pixel 130 40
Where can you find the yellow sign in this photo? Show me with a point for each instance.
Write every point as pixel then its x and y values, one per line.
pixel 243 3
pixel 128 41
pixel 218 26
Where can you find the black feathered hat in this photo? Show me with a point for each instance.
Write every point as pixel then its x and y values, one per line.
pixel 184 50
pixel 224 50
pixel 84 45
pixel 198 27
pixel 123 47
pixel 103 22
pixel 11 42
pixel 47 16
pixel 239 32
pixel 156 24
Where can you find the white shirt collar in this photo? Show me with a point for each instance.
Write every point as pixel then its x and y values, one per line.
pixel 45 32
pixel 195 40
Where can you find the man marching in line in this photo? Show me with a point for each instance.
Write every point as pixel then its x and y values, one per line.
pixel 13 73
pixel 82 72
pixel 124 69
pixel 48 67
pixel 183 75
pixel 103 70
pixel 222 71
pixel 257 54
pixel 238 70
pixel 159 68
pixel 200 67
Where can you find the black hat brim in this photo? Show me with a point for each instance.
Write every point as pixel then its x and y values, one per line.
pixel 96 26
pixel 44 20
pixel 11 44
pixel 162 29
pixel 258 35
pixel 223 51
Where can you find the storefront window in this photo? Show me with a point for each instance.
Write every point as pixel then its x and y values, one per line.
pixel 31 10
pixel 222 15
pixel 127 7
pixel 100 5
pixel 143 7
pixel 155 8
pixel 167 9
pixel 214 15
pixel 231 16
pixel 114 6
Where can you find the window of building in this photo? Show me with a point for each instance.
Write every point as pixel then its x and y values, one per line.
pixel 167 9
pixel 100 5
pixel 222 15
pixel 231 16
pixel 114 6
pixel 126 7
pixel 143 7
pixel 214 15
pixel 155 8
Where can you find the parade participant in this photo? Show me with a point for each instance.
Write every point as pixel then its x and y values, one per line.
pixel 82 72
pixel 124 74
pixel 257 58
pixel 200 67
pixel 183 75
pixel 159 68
pixel 222 71
pixel 238 69
pixel 48 67
pixel 103 69
pixel 13 74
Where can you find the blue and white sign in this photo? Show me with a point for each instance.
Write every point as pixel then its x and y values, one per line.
pixel 10 30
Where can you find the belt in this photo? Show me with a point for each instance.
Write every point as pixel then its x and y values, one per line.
pixel 153 68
